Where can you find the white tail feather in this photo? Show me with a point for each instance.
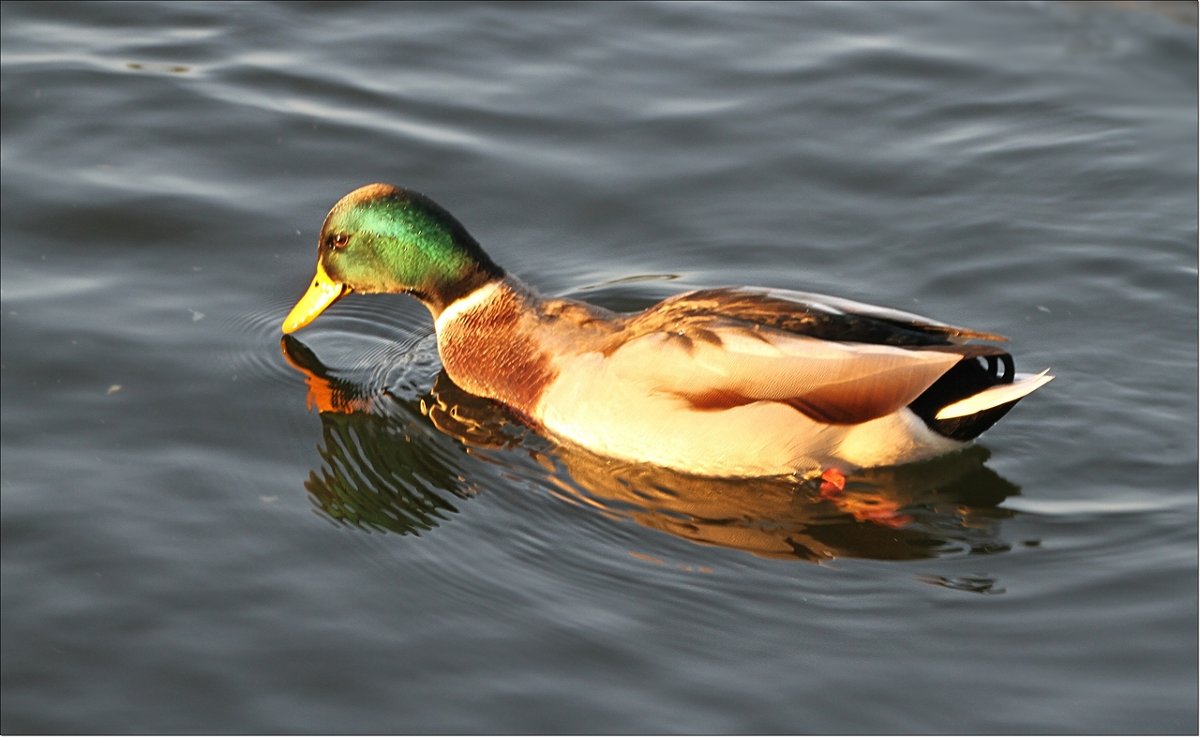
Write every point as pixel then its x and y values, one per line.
pixel 994 396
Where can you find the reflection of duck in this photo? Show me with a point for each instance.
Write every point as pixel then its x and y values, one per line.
pixel 386 466
pixel 895 513
pixel 718 382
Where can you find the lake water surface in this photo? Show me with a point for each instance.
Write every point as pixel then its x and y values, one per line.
pixel 190 546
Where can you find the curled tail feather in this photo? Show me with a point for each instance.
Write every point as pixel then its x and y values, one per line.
pixel 995 396
pixel 974 394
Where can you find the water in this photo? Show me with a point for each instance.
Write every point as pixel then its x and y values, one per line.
pixel 188 548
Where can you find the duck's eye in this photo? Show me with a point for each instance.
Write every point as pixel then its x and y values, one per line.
pixel 337 240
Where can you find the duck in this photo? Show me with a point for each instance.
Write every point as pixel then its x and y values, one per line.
pixel 718 382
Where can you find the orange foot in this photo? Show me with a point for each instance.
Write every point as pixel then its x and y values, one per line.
pixel 833 482
pixel 880 511
pixel 863 506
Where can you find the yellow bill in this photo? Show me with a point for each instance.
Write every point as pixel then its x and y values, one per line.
pixel 321 293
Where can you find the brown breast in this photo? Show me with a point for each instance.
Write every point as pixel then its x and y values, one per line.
pixel 492 351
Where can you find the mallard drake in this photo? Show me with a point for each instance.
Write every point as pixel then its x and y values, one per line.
pixel 717 382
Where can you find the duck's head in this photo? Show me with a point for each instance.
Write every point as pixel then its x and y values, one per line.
pixel 381 238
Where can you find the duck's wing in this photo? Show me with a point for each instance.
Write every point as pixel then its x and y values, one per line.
pixel 836 361
pixel 815 315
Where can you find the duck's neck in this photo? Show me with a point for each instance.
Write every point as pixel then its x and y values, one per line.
pixel 488 341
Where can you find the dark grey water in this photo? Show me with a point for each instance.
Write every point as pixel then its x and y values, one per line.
pixel 187 548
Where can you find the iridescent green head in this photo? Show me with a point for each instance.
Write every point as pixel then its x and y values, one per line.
pixel 381 238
